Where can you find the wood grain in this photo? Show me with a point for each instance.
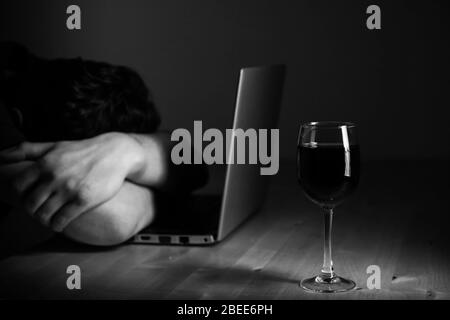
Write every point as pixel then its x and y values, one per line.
pixel 397 220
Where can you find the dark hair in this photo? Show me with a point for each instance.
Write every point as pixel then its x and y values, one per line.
pixel 71 99
pixel 86 98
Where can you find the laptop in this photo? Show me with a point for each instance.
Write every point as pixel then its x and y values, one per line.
pixel 205 219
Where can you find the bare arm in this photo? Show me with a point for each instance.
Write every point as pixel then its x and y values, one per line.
pixel 117 220
pixel 157 170
pixel 66 179
pixel 87 190
pixel 113 222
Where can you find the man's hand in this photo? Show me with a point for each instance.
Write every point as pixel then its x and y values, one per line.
pixel 70 178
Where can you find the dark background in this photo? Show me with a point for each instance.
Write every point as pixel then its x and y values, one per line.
pixel 392 82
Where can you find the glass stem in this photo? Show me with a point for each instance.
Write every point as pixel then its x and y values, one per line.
pixel 327 269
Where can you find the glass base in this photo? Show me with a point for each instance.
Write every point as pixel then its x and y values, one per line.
pixel 327 284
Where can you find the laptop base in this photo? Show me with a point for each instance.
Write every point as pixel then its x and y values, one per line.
pixel 191 221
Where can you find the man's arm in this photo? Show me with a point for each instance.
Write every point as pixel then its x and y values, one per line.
pixel 113 222
pixel 157 170
pixel 116 220
pixel 66 179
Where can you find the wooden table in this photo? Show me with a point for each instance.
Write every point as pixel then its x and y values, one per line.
pixel 398 220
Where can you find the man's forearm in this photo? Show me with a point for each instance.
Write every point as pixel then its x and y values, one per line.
pixel 157 170
pixel 93 180
pixel 116 220
pixel 112 222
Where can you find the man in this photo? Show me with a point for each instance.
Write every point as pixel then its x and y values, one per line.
pixel 87 161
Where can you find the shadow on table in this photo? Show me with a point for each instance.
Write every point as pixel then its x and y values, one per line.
pixel 60 244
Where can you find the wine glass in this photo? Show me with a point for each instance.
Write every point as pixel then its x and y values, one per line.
pixel 328 171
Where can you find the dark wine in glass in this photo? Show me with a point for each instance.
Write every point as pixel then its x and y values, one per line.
pixel 321 172
pixel 328 165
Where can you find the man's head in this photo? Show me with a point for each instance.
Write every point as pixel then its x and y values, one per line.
pixel 70 99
